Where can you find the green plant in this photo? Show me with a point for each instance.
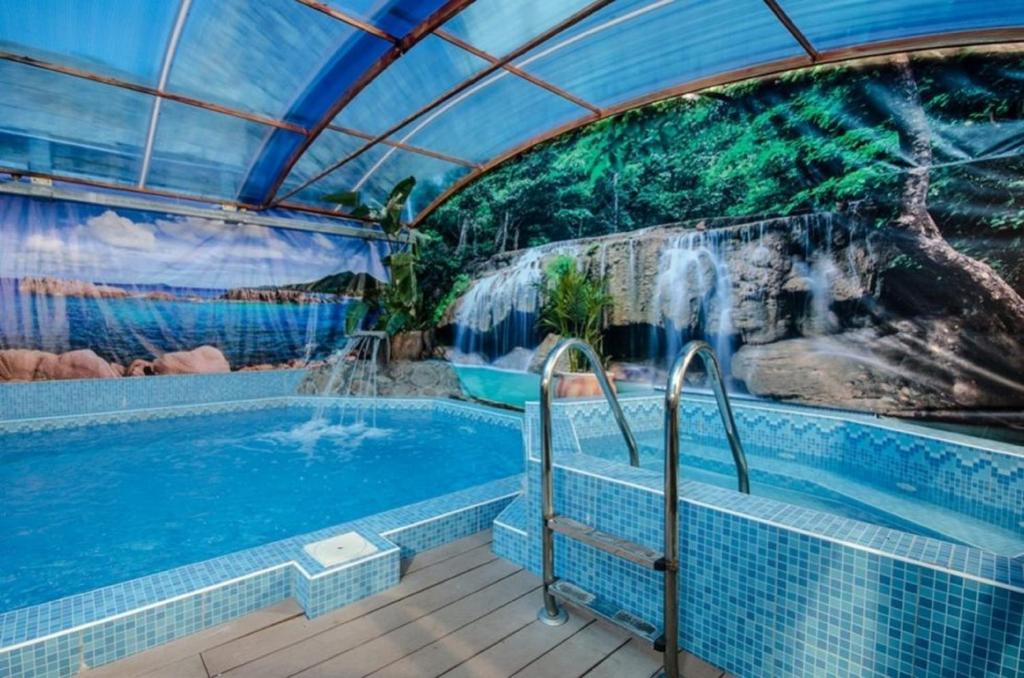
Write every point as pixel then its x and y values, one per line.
pixel 573 304
pixel 398 305
pixel 459 287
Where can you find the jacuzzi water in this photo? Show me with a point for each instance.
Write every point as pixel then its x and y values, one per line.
pixel 87 507
pixel 796 482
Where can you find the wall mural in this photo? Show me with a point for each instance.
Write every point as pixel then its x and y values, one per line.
pixel 847 236
pixel 88 291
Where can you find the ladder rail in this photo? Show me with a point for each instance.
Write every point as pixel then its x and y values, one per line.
pixel 673 396
pixel 552 613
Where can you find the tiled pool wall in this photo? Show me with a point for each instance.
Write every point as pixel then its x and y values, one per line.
pixel 90 396
pixel 62 637
pixel 980 478
pixel 770 589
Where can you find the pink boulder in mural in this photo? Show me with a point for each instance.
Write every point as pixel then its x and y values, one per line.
pixel 140 368
pixel 18 364
pixel 202 360
pixel 82 364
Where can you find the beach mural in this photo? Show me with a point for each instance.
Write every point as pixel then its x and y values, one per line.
pixel 91 291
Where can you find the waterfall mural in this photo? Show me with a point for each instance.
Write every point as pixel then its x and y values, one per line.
pixel 848 236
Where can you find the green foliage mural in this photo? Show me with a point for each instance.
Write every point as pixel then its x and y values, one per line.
pixel 845 235
pixel 807 141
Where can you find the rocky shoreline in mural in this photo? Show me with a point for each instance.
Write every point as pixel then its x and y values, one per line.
pixel 19 365
pixel 820 309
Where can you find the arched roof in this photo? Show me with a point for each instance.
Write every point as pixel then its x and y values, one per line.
pixel 278 102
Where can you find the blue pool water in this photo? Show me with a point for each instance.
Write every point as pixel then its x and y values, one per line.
pixel 786 479
pixel 87 507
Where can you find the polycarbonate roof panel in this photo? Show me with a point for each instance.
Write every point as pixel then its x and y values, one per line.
pixel 636 47
pixel 259 56
pixel 203 153
pixel 489 118
pixel 118 38
pixel 500 26
pixel 328 148
pixel 376 172
pixel 56 124
pixel 846 23
pixel 289 61
pixel 425 72
pixel 396 17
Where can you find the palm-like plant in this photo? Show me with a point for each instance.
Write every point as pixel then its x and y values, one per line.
pixel 573 304
pixel 400 303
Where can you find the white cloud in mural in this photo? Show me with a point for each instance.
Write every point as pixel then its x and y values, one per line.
pixel 320 240
pixel 121 232
pixel 38 242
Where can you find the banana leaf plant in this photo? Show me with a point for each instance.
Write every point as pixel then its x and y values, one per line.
pixel 397 306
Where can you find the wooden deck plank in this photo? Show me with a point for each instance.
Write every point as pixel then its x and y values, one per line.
pixel 144 663
pixel 692 666
pixel 236 652
pixel 448 652
pixel 337 639
pixel 383 650
pixel 442 553
pixel 517 650
pixel 635 658
pixel 577 654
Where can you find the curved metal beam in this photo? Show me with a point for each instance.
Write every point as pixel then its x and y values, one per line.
pixel 882 48
pixel 448 10
pixel 453 92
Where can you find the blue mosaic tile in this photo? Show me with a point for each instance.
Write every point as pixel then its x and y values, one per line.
pixel 90 396
pixel 771 589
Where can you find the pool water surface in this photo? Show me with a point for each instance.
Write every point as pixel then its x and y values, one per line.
pixel 94 505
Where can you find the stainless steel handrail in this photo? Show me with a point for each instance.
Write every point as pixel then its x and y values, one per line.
pixel 552 614
pixel 673 393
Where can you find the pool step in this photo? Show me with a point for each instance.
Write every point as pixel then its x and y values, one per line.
pixel 609 543
pixel 567 592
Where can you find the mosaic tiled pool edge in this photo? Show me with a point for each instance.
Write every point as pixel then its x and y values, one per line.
pixel 97 627
pixel 93 396
pixel 237 584
pixel 979 478
pixel 770 589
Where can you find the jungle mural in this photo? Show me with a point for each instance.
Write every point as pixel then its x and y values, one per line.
pixel 845 235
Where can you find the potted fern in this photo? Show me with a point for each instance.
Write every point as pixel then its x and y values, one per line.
pixel 574 304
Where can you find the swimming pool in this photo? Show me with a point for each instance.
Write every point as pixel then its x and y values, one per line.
pixel 89 505
pixel 904 487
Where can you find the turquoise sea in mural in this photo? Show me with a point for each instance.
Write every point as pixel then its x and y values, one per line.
pixel 125 329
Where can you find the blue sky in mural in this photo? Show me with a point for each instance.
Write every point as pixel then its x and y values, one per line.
pixel 84 242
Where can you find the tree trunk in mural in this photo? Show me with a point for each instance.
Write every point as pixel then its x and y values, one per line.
pixel 973 334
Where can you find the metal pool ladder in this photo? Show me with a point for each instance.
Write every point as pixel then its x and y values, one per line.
pixel 556 589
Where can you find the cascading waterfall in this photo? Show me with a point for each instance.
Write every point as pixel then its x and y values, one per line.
pixel 498 314
pixel 692 296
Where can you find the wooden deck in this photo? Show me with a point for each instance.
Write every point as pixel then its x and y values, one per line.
pixel 458 612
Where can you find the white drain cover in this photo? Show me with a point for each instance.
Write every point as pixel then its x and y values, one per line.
pixel 340 549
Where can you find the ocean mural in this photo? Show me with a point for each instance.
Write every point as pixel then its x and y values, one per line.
pixel 93 291
pixel 848 236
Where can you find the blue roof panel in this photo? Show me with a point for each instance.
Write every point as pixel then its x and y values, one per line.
pixel 57 124
pixel 119 38
pixel 636 47
pixel 845 23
